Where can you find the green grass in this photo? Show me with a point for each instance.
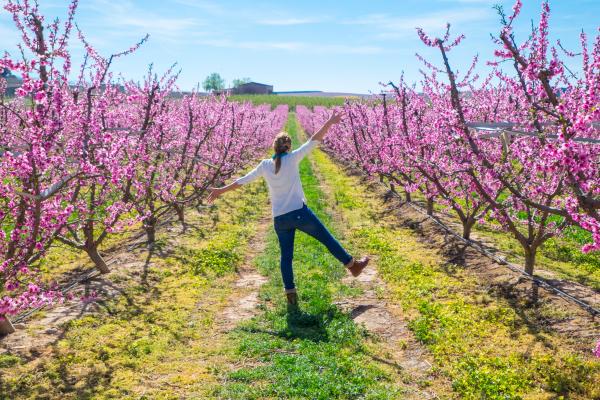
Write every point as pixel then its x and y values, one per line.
pixel 156 339
pixel 488 347
pixel 292 101
pixel 561 254
pixel 319 354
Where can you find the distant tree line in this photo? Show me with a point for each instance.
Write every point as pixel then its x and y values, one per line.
pixel 215 82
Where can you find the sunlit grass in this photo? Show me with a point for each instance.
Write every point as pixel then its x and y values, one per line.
pixel 320 354
pixel 561 255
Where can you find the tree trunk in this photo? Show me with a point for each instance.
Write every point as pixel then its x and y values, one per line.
pixel 530 260
pixel 408 197
pixel 430 206
pixel 180 213
pixel 468 227
pixel 95 256
pixel 150 227
pixel 535 293
pixel 5 325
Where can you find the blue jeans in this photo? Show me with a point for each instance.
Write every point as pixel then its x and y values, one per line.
pixel 306 221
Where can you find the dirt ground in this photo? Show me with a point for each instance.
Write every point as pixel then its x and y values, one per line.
pixel 242 305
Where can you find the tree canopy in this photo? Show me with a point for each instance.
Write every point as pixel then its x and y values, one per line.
pixel 240 81
pixel 213 82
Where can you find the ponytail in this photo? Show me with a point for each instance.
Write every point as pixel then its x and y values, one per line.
pixel 281 145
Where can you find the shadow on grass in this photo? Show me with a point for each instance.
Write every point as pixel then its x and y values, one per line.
pixel 303 325
pixel 299 325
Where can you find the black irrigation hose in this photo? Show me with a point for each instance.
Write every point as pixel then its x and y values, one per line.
pixel 499 260
pixel 93 273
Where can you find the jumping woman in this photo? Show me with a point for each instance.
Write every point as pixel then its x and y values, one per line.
pixel 289 204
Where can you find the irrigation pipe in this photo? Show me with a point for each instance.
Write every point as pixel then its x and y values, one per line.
pixel 499 260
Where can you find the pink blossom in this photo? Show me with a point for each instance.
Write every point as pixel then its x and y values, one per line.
pixel 72 161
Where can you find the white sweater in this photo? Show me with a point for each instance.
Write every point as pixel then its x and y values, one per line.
pixel 285 187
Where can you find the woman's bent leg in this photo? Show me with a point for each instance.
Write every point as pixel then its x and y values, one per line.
pixel 286 244
pixel 310 224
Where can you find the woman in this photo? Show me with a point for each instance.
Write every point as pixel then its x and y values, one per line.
pixel 289 204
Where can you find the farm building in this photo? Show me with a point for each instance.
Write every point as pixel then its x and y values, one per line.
pixel 252 88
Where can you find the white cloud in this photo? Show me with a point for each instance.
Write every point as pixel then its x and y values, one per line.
pixel 490 2
pixel 228 43
pixel 210 7
pixel 125 17
pixel 304 47
pixel 10 38
pixel 160 25
pixel 392 27
pixel 289 46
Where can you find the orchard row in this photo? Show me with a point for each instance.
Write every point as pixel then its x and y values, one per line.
pixel 536 173
pixel 80 161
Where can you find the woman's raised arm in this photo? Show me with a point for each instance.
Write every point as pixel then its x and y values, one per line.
pixel 320 134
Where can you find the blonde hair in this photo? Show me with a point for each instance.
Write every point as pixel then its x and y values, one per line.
pixel 281 145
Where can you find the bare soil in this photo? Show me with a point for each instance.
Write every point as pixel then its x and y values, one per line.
pixel 388 325
pixel 242 304
pixel 575 289
pixel 384 320
pixel 539 308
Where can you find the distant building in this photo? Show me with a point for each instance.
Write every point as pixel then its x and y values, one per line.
pixel 251 88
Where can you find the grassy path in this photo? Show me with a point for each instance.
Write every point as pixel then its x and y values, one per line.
pixel 321 354
pixel 483 343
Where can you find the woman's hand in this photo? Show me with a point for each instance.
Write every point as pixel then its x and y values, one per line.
pixel 214 193
pixel 335 118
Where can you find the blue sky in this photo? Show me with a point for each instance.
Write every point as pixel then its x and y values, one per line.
pixel 347 46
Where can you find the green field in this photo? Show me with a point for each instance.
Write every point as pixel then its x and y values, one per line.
pixel 292 101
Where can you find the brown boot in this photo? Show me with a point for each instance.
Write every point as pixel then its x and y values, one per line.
pixel 356 266
pixel 292 298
